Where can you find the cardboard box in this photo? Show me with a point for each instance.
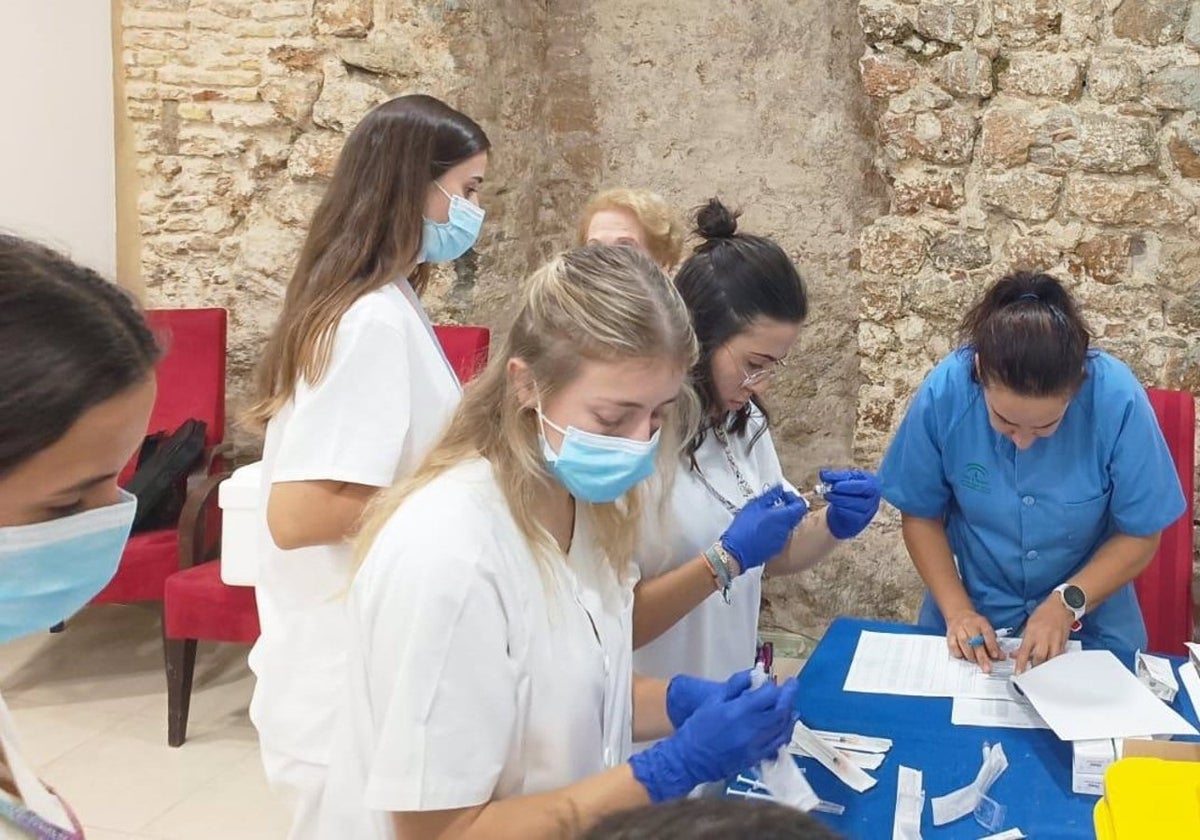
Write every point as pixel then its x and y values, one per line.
pixel 1156 674
pixel 1091 759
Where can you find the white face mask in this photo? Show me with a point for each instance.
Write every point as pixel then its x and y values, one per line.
pixel 50 570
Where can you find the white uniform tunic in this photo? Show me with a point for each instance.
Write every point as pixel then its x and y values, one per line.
pixel 383 402
pixel 476 671
pixel 714 639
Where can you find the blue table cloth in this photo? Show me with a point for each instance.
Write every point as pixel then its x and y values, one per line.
pixel 1036 787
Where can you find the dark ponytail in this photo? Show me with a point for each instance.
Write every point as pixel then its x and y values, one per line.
pixel 730 280
pixel 69 340
pixel 1028 336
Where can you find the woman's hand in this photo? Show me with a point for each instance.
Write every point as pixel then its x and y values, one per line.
pixel 962 628
pixel 1046 633
pixel 762 528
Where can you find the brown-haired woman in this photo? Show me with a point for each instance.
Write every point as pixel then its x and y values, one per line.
pixel 1033 482
pixel 353 390
pixel 76 390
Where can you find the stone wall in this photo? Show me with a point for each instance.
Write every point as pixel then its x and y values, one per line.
pixel 972 137
pixel 239 110
pixel 1057 135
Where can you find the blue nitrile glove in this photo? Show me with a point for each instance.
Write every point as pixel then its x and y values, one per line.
pixel 721 737
pixel 853 501
pixel 686 694
pixel 761 528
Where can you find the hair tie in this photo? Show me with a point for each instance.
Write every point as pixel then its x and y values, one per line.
pixel 1029 296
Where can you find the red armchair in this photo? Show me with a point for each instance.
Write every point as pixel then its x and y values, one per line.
pixel 199 605
pixel 191 385
pixel 1164 589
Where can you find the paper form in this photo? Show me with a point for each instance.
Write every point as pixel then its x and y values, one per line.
pixel 1010 714
pixel 1091 695
pixel 890 663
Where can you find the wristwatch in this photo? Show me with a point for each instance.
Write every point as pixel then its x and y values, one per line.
pixel 1073 598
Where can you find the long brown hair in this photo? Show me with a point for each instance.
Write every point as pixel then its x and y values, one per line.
pixel 365 232
pixel 604 303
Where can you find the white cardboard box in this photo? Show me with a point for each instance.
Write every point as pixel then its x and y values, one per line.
pixel 239 497
pixel 1091 759
pixel 1157 675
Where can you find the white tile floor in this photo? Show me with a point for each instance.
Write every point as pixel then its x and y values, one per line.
pixel 91 709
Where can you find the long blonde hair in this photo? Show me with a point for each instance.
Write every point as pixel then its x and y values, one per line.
pixel 595 303
pixel 659 223
pixel 364 234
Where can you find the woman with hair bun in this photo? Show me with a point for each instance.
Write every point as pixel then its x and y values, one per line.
pixel 731 516
pixel 1033 482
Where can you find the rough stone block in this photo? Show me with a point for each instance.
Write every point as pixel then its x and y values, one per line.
pixel 891 246
pixel 1095 142
pixel 1151 22
pixel 949 21
pixel 918 187
pixel 886 73
pixel 1114 78
pixel 960 249
pixel 1184 147
pixel 245 114
pixel 1022 193
pixel 344 18
pixel 343 100
pixel 315 155
pixel 292 96
pixel 1080 21
pixel 1007 135
pixel 199 77
pixel 939 137
pixel 966 72
pixel 1105 259
pixel 1032 253
pixel 1191 32
pixel 883 20
pixel 1054 75
pixel 1024 22
pixel 1175 89
pixel 1109 201
pixel 1184 310
pixel 381 56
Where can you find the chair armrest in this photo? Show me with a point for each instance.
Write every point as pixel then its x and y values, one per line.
pixel 192 520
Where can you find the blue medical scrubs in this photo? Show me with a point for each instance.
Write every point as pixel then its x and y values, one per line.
pixel 1022 522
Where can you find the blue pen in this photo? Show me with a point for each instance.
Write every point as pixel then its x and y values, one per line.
pixel 976 641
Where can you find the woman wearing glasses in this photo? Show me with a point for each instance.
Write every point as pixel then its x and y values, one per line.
pixel 732 514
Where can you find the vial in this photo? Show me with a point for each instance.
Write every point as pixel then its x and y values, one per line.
pixel 822 489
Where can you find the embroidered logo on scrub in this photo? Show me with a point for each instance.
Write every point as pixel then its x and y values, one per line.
pixel 975 477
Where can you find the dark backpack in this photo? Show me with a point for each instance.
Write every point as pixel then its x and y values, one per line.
pixel 160 480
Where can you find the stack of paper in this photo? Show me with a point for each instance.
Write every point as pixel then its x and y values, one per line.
pixel 1091 696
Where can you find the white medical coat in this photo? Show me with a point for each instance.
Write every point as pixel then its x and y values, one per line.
pixel 714 639
pixel 383 402
pixel 476 671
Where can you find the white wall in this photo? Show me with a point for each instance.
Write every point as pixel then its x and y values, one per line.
pixel 57 181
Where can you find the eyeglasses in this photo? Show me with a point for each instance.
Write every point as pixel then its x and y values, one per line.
pixel 759 377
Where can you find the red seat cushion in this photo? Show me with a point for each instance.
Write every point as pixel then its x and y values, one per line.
pixel 149 559
pixel 197 604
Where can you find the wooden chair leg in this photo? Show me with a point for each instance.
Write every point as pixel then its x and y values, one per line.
pixel 180 655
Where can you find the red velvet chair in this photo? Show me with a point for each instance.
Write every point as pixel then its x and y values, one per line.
pixel 199 605
pixel 191 385
pixel 1164 589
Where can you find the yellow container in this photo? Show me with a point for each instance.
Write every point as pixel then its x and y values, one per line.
pixel 1149 799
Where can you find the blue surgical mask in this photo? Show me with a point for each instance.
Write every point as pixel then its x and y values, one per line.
pixel 598 468
pixel 50 570
pixel 449 240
